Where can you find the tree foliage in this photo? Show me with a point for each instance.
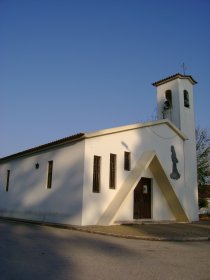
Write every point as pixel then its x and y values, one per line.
pixel 203 156
pixel 203 203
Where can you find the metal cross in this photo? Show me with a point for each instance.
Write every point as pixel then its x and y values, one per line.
pixel 184 68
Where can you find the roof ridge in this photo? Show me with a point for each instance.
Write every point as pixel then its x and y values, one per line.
pixel 61 141
pixel 172 77
pixel 80 136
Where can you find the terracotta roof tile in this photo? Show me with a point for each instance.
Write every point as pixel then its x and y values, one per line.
pixel 62 141
pixel 173 77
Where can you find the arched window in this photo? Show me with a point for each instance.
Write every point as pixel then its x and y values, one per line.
pixel 186 99
pixel 168 96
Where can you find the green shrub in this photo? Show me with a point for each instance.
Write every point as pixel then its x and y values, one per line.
pixel 203 203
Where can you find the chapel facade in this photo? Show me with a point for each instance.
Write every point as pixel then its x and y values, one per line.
pixel 143 171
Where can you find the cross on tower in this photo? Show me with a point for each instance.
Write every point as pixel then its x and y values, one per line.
pixel 183 68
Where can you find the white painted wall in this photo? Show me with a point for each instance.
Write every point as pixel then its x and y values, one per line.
pixel 158 138
pixel 183 118
pixel 28 196
pixel 188 127
pixel 71 199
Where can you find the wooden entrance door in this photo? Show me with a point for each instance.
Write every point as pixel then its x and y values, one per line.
pixel 142 199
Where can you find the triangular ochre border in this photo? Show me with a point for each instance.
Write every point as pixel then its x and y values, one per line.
pixel 150 160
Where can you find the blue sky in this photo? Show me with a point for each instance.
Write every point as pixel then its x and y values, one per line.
pixel 78 66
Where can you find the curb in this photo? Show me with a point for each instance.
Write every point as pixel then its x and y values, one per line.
pixel 146 238
pixel 126 236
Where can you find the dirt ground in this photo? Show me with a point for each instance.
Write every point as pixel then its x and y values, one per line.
pixel 178 231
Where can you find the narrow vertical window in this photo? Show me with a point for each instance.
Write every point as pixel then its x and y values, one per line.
pixel 49 176
pixel 7 182
pixel 96 174
pixel 127 161
pixel 186 99
pixel 112 172
pixel 168 96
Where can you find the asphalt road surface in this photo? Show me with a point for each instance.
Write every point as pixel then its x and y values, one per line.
pixel 29 252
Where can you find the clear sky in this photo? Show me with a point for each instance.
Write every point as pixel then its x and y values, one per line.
pixel 77 66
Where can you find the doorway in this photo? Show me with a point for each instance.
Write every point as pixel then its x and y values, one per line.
pixel 142 199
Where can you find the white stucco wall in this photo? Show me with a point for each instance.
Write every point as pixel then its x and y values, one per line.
pixel 158 138
pixel 28 196
pixel 183 118
pixel 188 127
pixel 71 199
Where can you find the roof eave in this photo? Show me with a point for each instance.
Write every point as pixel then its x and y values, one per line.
pixel 45 147
pixel 81 136
pixel 136 126
pixel 171 78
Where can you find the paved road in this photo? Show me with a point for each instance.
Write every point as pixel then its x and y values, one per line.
pixel 30 252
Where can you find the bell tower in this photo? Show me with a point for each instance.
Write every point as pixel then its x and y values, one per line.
pixel 175 103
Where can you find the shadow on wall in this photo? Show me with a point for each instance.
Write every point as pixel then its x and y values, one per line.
pixel 29 198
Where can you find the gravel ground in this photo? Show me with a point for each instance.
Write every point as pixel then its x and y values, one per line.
pixel 155 231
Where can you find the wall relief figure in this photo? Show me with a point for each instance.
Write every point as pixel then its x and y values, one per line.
pixel 175 173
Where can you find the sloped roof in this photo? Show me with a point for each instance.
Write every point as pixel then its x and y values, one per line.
pixel 135 126
pixel 171 78
pixel 81 136
pixel 62 141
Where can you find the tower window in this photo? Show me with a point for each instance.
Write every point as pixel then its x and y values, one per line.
pixel 168 96
pixel 186 99
pixel 96 174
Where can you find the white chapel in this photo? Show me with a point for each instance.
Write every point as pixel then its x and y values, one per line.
pixel 143 171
